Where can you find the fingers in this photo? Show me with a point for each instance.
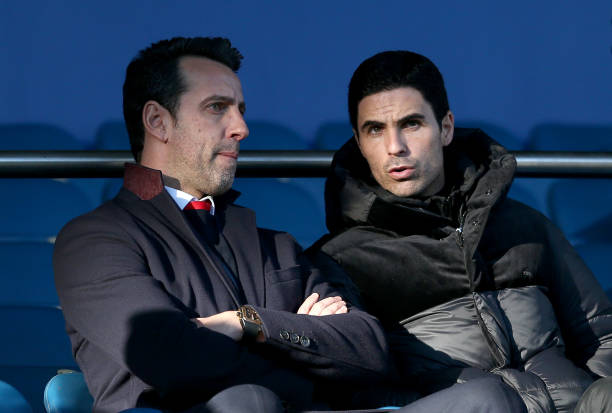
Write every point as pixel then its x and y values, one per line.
pixel 327 306
pixel 338 307
pixel 308 303
pixel 342 310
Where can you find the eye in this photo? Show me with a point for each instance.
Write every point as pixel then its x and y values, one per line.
pixel 216 107
pixel 374 130
pixel 412 124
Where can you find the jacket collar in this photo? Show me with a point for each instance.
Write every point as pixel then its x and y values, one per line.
pixel 147 183
pixel 353 197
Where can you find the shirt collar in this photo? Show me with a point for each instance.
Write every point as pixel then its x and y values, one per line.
pixel 183 198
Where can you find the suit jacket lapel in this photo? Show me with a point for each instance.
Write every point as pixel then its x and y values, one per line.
pixel 239 228
pixel 163 209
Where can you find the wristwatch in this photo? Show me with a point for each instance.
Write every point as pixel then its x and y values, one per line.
pixel 250 322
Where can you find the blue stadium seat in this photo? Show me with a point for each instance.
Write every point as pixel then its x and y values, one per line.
pixel 111 135
pixel 266 135
pixel 597 257
pixel 36 209
pixel 38 347
pixel 26 275
pixel 565 137
pixel 92 188
pixel 67 393
pixel 111 188
pixel 330 136
pixel 498 133
pixel 581 208
pixel 533 192
pixel 282 206
pixel 36 136
pixel 523 191
pixel 570 137
pixel 11 401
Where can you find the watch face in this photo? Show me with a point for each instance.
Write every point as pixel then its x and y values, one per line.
pixel 248 314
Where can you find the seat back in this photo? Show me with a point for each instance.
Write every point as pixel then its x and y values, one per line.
pixel 266 135
pixel 597 256
pixel 26 275
pixel 35 348
pixel 582 208
pixel 567 137
pixel 36 137
pixel 67 393
pixel 283 206
pixel 570 137
pixel 11 401
pixel 112 135
pixel 498 133
pixel 36 209
pixel 330 136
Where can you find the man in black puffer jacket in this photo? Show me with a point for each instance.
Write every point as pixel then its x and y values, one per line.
pixel 468 282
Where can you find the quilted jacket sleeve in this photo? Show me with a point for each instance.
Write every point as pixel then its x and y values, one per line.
pixel 582 307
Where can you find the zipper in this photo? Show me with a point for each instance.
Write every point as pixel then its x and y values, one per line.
pixel 493 349
pixel 459 230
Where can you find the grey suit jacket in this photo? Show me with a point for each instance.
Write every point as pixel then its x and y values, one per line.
pixel 132 273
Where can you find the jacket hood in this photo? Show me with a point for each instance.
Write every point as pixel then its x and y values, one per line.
pixel 353 197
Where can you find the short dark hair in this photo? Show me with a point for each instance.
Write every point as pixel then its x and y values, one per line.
pixel 154 75
pixel 395 69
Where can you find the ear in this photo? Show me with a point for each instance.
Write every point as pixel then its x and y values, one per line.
pixel 155 119
pixel 448 128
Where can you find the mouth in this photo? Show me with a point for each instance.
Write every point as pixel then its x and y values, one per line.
pixel 229 154
pixel 401 172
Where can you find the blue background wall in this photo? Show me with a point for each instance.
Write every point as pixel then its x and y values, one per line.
pixel 514 64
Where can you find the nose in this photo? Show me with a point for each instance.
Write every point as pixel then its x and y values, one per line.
pixel 395 143
pixel 238 129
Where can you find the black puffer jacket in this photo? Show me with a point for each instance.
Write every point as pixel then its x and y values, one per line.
pixel 470 282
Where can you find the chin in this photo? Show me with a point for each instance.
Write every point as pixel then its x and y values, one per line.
pixel 224 184
pixel 403 190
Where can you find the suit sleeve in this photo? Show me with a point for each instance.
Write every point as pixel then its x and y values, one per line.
pixel 348 346
pixel 109 297
pixel 582 307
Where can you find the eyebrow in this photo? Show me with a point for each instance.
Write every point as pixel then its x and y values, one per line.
pixel 412 116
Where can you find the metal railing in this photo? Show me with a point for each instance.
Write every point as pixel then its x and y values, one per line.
pixel 106 164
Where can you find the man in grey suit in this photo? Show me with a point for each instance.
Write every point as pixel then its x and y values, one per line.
pixel 173 298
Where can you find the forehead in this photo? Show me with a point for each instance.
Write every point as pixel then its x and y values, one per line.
pixel 206 76
pixel 393 104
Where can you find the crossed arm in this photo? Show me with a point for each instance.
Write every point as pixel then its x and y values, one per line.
pixel 228 323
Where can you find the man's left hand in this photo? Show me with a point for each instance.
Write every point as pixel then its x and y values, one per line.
pixel 327 306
